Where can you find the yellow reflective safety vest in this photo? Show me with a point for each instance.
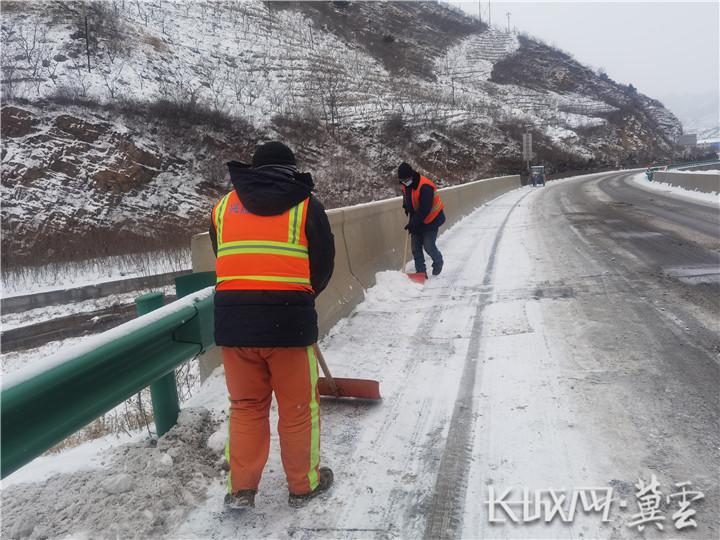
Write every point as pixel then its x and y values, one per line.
pixel 261 252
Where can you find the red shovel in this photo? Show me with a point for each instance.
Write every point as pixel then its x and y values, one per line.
pixel 418 277
pixel 344 388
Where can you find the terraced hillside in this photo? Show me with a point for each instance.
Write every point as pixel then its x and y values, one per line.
pixel 116 140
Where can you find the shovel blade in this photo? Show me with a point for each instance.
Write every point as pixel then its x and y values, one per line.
pixel 350 388
pixel 418 277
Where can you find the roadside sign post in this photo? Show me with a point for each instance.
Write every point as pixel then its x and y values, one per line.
pixel 527 148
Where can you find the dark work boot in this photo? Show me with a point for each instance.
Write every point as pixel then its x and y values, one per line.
pixel 437 268
pixel 244 498
pixel 324 483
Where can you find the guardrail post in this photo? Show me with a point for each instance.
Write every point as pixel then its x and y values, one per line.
pixel 190 283
pixel 163 392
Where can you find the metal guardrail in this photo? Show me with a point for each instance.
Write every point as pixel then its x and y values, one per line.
pixel 40 411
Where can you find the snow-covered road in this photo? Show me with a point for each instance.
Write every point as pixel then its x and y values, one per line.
pixel 550 353
pixel 423 344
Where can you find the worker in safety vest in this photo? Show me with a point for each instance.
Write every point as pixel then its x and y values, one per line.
pixel 421 202
pixel 275 253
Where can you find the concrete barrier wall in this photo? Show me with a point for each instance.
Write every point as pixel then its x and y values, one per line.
pixel 344 291
pixel 705 182
pixel 374 235
pixel 369 238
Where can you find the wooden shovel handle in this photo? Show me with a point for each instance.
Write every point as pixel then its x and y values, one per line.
pixel 402 265
pixel 326 370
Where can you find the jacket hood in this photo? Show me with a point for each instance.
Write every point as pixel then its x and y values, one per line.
pixel 269 190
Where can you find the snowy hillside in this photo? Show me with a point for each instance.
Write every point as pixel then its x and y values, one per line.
pixel 125 130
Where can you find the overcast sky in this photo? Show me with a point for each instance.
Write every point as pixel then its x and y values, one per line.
pixel 662 48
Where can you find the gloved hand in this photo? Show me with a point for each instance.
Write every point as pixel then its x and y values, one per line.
pixel 413 227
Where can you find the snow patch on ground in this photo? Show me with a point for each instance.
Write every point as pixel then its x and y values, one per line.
pixel 17 360
pixel 136 490
pixel 91 455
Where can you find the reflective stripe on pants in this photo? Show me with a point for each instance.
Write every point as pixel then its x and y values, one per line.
pixel 252 374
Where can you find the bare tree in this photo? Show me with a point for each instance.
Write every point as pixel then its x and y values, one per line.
pixel 35 49
pixel 330 83
pixel 277 97
pixel 110 77
pixel 140 78
pixel 239 84
pixel 215 82
pixel 9 60
pixel 80 83
pixel 180 87
pixel 253 89
pixel 143 13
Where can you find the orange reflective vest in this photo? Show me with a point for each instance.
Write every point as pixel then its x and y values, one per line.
pixel 261 252
pixel 437 204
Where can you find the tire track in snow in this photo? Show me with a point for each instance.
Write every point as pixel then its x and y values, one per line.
pixel 421 451
pixel 448 500
pixel 401 510
pixel 392 424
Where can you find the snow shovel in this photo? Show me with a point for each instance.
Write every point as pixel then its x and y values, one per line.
pixel 418 277
pixel 344 388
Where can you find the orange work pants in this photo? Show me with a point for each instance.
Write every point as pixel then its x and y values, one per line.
pixel 252 374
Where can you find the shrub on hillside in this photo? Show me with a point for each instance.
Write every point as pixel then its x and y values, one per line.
pixel 178 114
pixel 67 95
pixel 395 128
pixel 305 124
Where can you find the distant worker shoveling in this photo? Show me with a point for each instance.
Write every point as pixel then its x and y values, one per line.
pixel 423 206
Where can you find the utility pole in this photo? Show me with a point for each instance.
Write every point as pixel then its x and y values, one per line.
pixel 508 16
pixel 87 35
pixel 489 15
pixel 480 11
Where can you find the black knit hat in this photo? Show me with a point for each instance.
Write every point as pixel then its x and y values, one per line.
pixel 405 171
pixel 273 153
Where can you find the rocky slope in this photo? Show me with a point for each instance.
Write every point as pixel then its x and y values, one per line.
pixel 114 139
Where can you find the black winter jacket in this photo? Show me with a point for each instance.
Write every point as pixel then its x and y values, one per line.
pixel 275 318
pixel 427 195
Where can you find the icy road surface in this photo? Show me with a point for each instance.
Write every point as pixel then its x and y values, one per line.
pixel 571 342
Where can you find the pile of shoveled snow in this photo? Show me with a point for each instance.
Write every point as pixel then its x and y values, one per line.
pixel 144 490
pixel 391 287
